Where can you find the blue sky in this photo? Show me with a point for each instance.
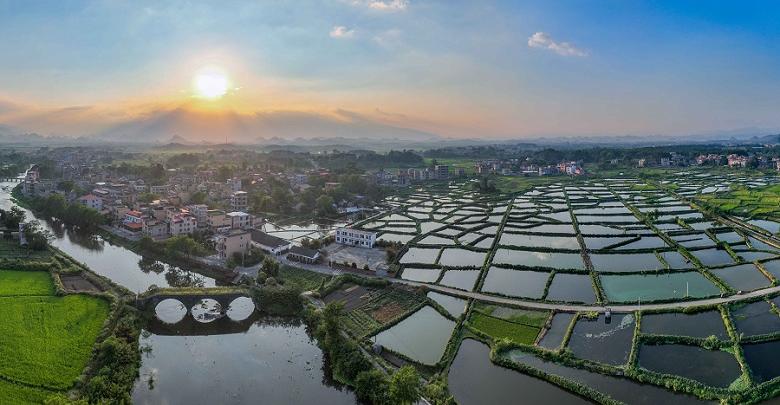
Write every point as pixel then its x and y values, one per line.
pixel 456 68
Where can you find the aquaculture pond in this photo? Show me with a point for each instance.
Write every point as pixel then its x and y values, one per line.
pixel 420 255
pixel 554 260
pixel 463 279
pixel 621 389
pixel 762 358
pixel 554 335
pixel 455 306
pixel 713 257
pixel 655 287
pixel 550 242
pixel 700 325
pixel 625 262
pixel 597 340
pixel 422 336
pixel 474 380
pixel 516 283
pixel 570 287
pixel 425 275
pixel 711 367
pixel 455 257
pixel 743 277
pixel 755 318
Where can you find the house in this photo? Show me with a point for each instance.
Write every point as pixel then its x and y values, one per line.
pixel 234 184
pixel 155 229
pixel 91 201
pixel 355 237
pixel 442 172
pixel 303 255
pixel 201 213
pixel 240 220
pixel 182 224
pixel 134 221
pixel 217 220
pixel 239 201
pixel 270 243
pixel 235 241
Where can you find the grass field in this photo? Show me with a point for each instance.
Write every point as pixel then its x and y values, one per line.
pixel 499 328
pixel 11 393
pixel 307 280
pixel 16 283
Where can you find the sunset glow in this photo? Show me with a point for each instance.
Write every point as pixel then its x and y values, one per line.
pixel 211 83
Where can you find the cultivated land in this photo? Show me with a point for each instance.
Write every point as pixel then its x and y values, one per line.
pixel 46 340
pixel 651 245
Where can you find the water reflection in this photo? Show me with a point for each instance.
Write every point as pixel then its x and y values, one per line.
pixel 274 361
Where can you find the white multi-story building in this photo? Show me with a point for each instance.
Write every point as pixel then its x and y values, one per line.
pixel 91 201
pixel 182 224
pixel 239 201
pixel 201 213
pixel 234 184
pixel 240 220
pixel 355 237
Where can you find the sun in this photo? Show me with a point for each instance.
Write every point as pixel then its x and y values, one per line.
pixel 211 83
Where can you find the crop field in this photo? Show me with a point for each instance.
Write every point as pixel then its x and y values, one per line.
pixel 45 341
pixel 761 202
pixel 16 283
pixel 611 241
pixel 519 328
pixel 307 280
pixel 383 307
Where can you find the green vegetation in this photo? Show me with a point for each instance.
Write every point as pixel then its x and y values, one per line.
pixel 304 279
pixel 500 329
pixel 385 308
pixel 12 393
pixel 47 341
pixel 755 202
pixel 86 219
pixel 17 283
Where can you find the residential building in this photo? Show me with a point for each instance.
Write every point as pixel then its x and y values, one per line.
pixel 239 201
pixel 218 220
pixel 91 201
pixel 303 255
pixel 235 241
pixel 234 184
pixel 270 243
pixel 355 237
pixel 201 213
pixel 240 220
pixel 155 229
pixel 442 172
pixel 134 221
pixel 182 224
pixel 159 190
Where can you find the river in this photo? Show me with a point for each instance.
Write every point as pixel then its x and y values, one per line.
pixel 258 359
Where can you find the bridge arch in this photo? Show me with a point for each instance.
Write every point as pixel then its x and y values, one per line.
pixel 170 311
pixel 241 308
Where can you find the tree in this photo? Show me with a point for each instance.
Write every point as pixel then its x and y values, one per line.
pixel 405 386
pixel 372 386
pixel 12 218
pixel 37 237
pixel 198 198
pixel 325 206
pixel 270 267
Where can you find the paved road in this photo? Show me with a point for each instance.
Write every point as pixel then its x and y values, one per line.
pixel 550 306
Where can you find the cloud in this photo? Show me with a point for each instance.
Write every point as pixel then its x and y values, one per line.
pixel 382 5
pixel 391 5
pixel 388 38
pixel 544 41
pixel 341 32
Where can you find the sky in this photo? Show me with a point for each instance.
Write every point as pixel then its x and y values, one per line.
pixel 460 69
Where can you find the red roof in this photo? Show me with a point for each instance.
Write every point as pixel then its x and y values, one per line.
pixel 134 213
pixel 134 225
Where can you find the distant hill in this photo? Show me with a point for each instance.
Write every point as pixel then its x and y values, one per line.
pixel 187 127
